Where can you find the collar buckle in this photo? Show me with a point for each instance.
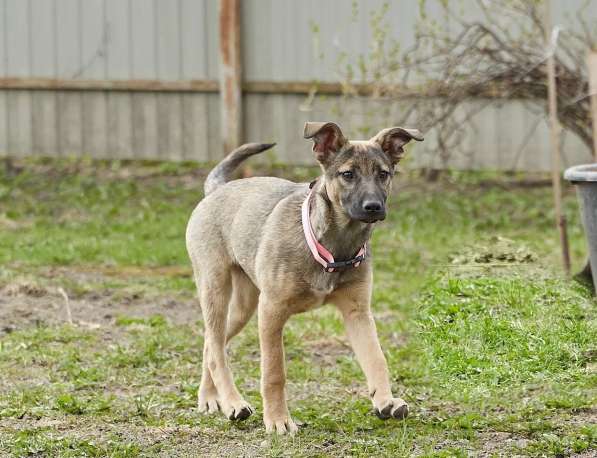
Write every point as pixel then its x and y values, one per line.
pixel 350 262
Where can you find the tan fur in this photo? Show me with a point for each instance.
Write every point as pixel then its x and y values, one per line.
pixel 248 251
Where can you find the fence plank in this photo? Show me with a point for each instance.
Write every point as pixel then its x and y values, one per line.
pixel 215 144
pixel 145 125
pixel 94 42
pixel 213 40
pixel 259 121
pixel 118 56
pixel 45 133
pixel 18 109
pixel 3 102
pixel 143 40
pixel 17 61
pixel 95 124
pixel 68 39
pixel 195 127
pixel 43 63
pixel 118 66
pixel 3 124
pixel 17 44
pixel 120 131
pixel 144 63
pixel 68 105
pixel 43 43
pixel 168 40
pixel 193 16
pixel 170 126
pixel 70 127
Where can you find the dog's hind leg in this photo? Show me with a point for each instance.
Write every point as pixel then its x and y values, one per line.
pixel 207 396
pixel 215 293
pixel 243 303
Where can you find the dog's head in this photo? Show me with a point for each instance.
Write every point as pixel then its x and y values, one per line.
pixel 358 174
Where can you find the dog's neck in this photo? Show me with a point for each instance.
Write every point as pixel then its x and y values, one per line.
pixel 342 236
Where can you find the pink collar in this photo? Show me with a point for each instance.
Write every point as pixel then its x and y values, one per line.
pixel 321 253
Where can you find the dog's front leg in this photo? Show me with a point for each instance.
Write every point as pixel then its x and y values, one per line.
pixel 361 331
pixel 271 317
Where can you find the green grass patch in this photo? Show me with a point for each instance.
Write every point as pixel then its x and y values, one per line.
pixel 492 347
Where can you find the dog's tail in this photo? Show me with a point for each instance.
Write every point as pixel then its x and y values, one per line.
pixel 222 172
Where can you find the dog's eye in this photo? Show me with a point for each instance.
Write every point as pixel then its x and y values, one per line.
pixel 348 175
pixel 383 174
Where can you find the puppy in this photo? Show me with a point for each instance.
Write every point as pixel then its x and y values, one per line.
pixel 281 248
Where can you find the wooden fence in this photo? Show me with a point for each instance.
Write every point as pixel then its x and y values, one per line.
pixel 142 78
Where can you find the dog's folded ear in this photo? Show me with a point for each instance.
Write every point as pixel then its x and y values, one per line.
pixel 393 139
pixel 327 139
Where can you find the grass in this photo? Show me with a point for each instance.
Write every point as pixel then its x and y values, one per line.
pixel 492 347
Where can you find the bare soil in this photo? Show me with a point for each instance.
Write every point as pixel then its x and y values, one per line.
pixel 25 303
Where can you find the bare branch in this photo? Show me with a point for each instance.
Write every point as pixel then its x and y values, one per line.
pixel 502 54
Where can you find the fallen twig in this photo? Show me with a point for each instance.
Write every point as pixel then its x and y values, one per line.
pixel 69 316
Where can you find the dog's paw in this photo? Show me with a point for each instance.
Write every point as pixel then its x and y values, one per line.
pixel 237 411
pixel 208 403
pixel 280 424
pixel 392 408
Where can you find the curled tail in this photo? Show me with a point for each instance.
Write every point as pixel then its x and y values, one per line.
pixel 222 172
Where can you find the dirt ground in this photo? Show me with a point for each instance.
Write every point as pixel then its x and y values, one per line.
pixel 24 303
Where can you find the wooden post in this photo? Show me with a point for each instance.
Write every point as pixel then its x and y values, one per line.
pixel 230 75
pixel 555 140
pixel 592 66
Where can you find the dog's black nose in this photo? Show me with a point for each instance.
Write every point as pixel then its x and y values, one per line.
pixel 372 206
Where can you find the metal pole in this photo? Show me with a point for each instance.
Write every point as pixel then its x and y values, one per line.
pixel 230 75
pixel 592 66
pixel 555 141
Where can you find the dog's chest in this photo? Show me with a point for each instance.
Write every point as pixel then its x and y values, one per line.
pixel 324 285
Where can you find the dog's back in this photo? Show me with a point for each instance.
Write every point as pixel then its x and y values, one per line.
pixel 227 224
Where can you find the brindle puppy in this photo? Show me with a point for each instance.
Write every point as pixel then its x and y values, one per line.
pixel 248 250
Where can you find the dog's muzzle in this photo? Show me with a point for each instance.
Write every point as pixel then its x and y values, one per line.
pixel 369 212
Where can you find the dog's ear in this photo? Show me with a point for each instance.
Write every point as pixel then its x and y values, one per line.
pixel 327 139
pixel 393 139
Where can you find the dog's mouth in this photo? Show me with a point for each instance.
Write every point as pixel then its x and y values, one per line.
pixel 372 219
pixel 364 216
pixel 369 218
